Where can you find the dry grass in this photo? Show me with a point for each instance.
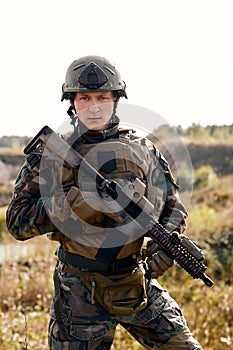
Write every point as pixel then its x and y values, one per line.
pixel 11 151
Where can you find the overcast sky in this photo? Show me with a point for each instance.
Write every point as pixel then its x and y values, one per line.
pixel 176 57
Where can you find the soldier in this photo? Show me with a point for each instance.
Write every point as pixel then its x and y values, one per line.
pixel 101 278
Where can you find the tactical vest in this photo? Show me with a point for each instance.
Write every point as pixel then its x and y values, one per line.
pixel 126 157
pixel 121 159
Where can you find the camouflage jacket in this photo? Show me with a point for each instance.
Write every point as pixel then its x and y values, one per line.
pixel 39 202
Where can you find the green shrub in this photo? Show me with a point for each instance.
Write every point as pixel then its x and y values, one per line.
pixel 221 244
pixel 204 176
pixel 202 221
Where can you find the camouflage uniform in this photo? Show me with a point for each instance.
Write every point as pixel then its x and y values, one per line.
pixel 87 324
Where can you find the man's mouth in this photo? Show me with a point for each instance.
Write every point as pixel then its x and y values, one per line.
pixel 94 118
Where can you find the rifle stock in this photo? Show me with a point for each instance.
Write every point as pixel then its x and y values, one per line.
pixel 184 251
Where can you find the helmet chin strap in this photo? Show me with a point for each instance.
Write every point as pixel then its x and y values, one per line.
pixel 73 116
pixel 113 117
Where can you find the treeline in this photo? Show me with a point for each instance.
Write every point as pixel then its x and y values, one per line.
pixel 14 141
pixel 196 132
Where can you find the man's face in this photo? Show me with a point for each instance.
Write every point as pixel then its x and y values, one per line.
pixel 94 109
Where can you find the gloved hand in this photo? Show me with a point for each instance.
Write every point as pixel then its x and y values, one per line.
pixel 158 260
pixel 89 207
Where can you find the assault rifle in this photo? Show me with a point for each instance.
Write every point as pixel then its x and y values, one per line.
pixel 179 247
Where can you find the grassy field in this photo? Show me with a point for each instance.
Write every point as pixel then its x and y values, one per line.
pixel 26 292
pixel 26 280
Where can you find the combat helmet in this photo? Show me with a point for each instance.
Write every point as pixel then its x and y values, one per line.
pixel 92 73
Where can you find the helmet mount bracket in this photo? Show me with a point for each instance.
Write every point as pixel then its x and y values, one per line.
pixel 92 77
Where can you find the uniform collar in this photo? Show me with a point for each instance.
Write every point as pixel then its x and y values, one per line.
pixel 93 136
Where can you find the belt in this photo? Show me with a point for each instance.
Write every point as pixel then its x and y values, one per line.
pixel 120 266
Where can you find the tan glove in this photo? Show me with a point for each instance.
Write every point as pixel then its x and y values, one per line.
pixel 158 260
pixel 89 207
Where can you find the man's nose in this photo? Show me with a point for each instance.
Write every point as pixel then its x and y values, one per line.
pixel 94 106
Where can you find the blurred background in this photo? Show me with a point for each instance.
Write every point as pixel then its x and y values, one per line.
pixel 176 59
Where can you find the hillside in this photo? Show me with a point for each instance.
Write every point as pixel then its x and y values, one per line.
pixel 218 156
pixel 201 146
pixel 211 208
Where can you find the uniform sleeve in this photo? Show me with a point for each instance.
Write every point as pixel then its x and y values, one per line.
pixel 26 216
pixel 174 213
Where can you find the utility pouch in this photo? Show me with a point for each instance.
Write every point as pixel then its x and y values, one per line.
pixel 120 294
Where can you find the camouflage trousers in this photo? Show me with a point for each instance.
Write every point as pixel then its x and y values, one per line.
pixel 161 325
